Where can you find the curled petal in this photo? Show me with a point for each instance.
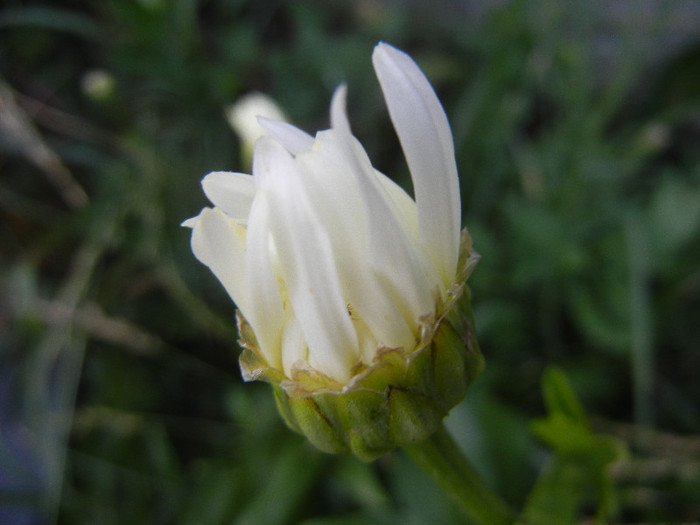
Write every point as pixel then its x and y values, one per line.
pixel 426 140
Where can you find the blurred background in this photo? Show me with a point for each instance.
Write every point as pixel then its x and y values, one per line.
pixel 576 127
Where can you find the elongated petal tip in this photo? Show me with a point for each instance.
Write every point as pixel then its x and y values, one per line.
pixel 339 117
pixel 189 223
pixel 292 138
pixel 426 139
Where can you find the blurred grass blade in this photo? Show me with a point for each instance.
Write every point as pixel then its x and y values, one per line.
pixel 55 368
pixel 18 133
pixel 50 18
pixel 296 470
pixel 642 322
pixel 58 366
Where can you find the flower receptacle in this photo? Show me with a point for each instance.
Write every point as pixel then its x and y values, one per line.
pixel 399 401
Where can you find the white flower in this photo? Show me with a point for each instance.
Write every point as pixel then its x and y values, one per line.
pixel 328 260
pixel 243 116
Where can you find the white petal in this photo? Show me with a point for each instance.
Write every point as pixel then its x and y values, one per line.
pixel 404 204
pixel 265 311
pixel 336 198
pixel 230 191
pixel 339 114
pixel 294 349
pixel 307 263
pixel 292 138
pixel 424 132
pixel 219 243
pixel 400 264
pixel 189 223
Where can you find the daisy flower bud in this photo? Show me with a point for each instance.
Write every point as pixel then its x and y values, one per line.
pixel 351 294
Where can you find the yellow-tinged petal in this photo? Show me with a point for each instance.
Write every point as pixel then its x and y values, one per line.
pixel 219 243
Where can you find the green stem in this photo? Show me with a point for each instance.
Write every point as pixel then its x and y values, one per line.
pixel 442 458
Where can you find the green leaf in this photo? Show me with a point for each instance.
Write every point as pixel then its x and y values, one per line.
pixel 557 495
pixel 560 397
pixel 576 478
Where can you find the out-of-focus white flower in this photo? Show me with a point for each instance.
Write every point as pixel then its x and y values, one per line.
pixel 330 263
pixel 98 84
pixel 243 117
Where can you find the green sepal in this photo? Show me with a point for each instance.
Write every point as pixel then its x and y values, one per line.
pixel 412 416
pixel 314 424
pixel 456 354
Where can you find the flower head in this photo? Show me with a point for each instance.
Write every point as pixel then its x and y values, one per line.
pixel 342 280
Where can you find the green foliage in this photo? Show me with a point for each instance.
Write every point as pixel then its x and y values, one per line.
pixel 580 467
pixel 576 139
